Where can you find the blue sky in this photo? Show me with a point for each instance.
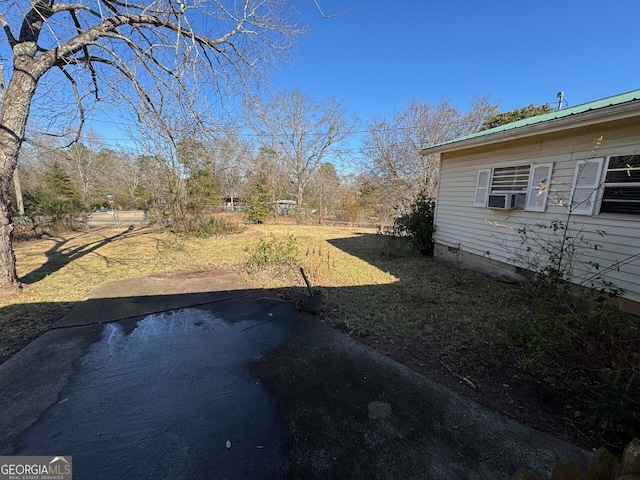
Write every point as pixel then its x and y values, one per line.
pixel 382 55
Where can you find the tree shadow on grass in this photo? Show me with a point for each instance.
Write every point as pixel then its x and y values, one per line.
pixel 393 255
pixel 21 323
pixel 60 255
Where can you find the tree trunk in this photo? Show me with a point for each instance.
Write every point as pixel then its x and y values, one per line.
pixel 8 275
pixel 299 194
pixel 13 121
pixel 18 189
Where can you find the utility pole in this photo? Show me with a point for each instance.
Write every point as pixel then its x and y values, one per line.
pixel 16 177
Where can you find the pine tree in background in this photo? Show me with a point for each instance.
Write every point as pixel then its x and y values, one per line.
pixel 58 197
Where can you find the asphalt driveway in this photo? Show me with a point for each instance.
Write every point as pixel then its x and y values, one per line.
pixel 201 376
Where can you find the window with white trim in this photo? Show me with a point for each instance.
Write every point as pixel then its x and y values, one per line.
pixel 519 187
pixel 510 179
pixel 619 185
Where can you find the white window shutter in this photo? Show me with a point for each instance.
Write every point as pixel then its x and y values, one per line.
pixel 584 190
pixel 482 188
pixel 539 184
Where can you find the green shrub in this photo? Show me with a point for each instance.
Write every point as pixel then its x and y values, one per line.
pixel 273 254
pixel 418 224
pixel 258 212
pixel 258 202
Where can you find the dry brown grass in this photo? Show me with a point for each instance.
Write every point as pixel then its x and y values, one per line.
pixel 58 271
pixel 435 318
pixel 370 285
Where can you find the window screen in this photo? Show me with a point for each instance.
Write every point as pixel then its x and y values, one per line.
pixel 510 179
pixel 622 186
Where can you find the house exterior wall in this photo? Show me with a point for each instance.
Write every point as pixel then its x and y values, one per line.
pixel 488 240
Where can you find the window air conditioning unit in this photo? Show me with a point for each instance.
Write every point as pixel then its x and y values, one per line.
pixel 507 201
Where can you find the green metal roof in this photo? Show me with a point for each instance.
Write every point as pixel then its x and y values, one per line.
pixel 566 112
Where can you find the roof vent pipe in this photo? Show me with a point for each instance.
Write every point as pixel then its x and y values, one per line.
pixel 560 98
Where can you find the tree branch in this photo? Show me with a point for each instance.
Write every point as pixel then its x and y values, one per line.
pixel 124 70
pixel 74 85
pixel 94 79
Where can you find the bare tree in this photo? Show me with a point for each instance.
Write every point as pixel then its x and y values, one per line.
pixel 393 147
pixel 325 189
pixel 129 175
pixel 158 179
pixel 35 159
pixel 166 174
pixel 95 171
pixel 301 131
pixel 233 160
pixel 88 166
pixel 147 54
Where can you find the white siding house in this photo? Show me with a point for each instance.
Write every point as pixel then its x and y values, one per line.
pixel 501 192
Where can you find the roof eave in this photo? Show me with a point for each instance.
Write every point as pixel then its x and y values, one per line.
pixel 612 113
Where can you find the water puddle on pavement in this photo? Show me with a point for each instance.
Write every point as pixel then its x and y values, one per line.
pixel 169 394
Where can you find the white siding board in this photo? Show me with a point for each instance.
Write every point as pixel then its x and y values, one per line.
pixel 458 222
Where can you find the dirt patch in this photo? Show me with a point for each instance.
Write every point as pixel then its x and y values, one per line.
pixel 494 380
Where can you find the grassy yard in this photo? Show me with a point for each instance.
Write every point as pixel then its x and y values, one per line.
pixel 453 325
pixel 370 285
pixel 58 271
